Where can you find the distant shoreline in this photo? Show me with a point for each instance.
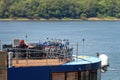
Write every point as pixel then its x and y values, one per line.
pixel 64 19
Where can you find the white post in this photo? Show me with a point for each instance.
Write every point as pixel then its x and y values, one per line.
pixel 10 55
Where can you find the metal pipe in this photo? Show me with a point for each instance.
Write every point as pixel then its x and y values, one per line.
pixel 77 51
pixel 0 45
pixel 83 46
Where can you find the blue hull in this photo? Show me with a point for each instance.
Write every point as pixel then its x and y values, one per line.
pixel 45 72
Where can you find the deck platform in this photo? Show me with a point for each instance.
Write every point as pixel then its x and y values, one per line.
pixel 36 62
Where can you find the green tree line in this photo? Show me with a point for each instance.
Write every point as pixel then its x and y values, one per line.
pixel 75 9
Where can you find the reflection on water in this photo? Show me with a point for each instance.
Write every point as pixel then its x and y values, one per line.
pixel 100 36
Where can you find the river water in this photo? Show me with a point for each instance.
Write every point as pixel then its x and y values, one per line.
pixel 100 36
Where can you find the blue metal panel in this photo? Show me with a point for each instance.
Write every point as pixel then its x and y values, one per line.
pixel 29 73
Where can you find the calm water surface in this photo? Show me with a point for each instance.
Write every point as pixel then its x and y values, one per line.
pixel 100 36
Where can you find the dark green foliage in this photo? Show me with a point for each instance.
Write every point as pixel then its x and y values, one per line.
pixel 75 9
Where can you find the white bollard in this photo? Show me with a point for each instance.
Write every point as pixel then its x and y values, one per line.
pixel 10 55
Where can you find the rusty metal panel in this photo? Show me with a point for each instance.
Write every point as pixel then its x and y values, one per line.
pixel 72 76
pixel 3 65
pixel 58 76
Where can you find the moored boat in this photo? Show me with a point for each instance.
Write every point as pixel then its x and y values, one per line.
pixel 53 61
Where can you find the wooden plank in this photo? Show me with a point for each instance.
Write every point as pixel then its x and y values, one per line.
pixel 36 62
pixel 3 66
pixel 58 76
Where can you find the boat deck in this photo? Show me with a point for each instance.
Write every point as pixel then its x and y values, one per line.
pixel 36 62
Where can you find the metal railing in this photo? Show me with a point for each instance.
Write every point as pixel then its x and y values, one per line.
pixel 34 57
